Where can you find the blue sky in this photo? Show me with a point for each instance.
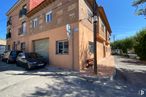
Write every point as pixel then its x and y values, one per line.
pixel 5 5
pixel 120 13
pixel 122 18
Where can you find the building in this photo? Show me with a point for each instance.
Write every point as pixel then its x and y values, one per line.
pixel 41 26
pixel 2 46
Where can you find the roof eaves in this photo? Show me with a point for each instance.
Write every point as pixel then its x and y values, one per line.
pixel 13 7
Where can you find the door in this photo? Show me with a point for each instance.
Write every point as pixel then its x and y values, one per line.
pixel 42 48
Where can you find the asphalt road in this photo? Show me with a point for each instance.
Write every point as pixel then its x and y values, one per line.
pixel 55 82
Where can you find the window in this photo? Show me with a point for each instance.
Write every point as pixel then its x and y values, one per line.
pixel 62 47
pixel 9 22
pixel 24 7
pixel 23 46
pixel 14 45
pixel 90 15
pixel 24 27
pixel 91 47
pixel 49 17
pixel 103 27
pixel 23 11
pixel 35 23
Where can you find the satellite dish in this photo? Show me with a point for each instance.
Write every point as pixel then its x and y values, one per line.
pixel 68 30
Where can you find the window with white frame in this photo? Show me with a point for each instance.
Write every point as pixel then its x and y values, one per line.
pixel 103 27
pixel 35 22
pixel 23 46
pixel 90 15
pixel 49 17
pixel 24 27
pixel 62 47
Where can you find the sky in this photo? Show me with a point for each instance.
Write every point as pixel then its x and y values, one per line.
pixel 121 15
pixel 122 18
pixel 5 5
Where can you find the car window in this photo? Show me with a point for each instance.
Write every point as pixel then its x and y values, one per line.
pixel 32 55
pixel 21 55
pixel 13 53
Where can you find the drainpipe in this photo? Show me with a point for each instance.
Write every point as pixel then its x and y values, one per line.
pixel 72 50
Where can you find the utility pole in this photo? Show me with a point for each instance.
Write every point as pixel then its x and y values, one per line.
pixel 95 19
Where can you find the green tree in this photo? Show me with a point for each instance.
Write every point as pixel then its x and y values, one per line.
pixel 124 44
pixel 140 44
pixel 140 5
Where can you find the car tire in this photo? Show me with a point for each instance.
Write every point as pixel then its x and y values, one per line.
pixel 17 64
pixel 2 60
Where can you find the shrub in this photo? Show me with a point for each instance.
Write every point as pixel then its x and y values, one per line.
pixel 140 44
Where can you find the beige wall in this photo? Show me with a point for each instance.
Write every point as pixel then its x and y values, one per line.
pixel 86 35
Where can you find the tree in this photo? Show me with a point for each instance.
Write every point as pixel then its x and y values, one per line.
pixel 124 44
pixel 140 44
pixel 140 9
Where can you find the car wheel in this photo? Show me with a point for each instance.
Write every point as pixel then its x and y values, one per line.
pixel 17 64
pixel 8 62
pixel 2 60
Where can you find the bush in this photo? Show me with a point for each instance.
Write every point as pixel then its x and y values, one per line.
pixel 123 44
pixel 140 44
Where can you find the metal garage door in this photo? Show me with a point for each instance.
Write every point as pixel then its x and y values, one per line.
pixel 42 47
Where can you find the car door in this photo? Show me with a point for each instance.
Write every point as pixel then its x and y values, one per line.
pixel 20 59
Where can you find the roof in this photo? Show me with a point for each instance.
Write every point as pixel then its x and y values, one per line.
pixel 46 3
pixel 104 17
pixel 42 5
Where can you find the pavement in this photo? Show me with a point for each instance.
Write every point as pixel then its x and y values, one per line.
pixel 55 82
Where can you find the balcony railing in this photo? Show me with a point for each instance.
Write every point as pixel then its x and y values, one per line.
pixel 21 32
pixel 22 12
pixel 9 23
pixel 8 35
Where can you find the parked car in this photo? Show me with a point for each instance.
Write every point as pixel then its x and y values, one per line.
pixel 30 60
pixel 1 56
pixel 10 56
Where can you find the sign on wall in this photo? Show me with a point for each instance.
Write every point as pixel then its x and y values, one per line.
pixel 68 30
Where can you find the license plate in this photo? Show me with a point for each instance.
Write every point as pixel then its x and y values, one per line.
pixel 40 64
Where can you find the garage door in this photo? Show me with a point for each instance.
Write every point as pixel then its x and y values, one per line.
pixel 42 47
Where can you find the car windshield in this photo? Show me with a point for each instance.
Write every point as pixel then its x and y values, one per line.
pixel 31 55
pixel 14 53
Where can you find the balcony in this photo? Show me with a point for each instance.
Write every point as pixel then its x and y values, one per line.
pixel 8 35
pixel 21 31
pixel 9 22
pixel 22 14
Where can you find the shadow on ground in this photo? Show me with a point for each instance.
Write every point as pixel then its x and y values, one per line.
pixel 70 84
pixel 9 67
pixel 76 86
pixel 133 62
